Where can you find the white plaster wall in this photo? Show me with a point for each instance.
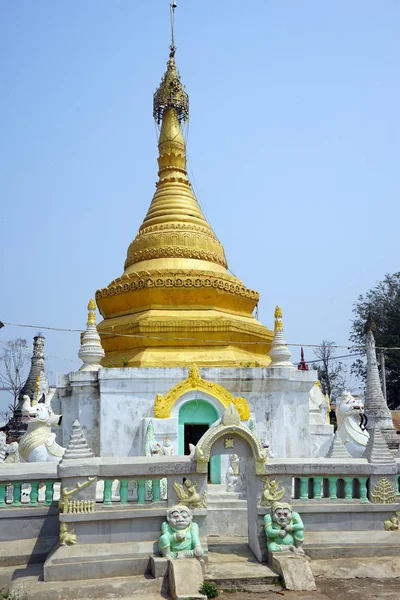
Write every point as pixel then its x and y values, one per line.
pixel 111 405
pixel 78 393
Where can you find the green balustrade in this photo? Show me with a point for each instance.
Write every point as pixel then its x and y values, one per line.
pixel 156 490
pixel 303 488
pixel 398 486
pixel 48 494
pixel 141 490
pixel 3 494
pixel 332 488
pixel 16 494
pixel 348 488
pixel 123 491
pixel 363 489
pixel 317 487
pixel 107 492
pixel 34 493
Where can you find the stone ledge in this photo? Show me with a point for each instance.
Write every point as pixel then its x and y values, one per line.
pixel 27 511
pixel 336 506
pixel 130 512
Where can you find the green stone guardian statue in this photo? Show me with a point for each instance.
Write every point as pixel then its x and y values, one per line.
pixel 284 529
pixel 179 535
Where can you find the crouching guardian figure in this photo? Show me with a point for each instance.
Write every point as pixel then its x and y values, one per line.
pixel 284 529
pixel 179 535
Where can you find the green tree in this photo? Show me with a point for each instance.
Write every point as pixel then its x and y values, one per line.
pixel 383 303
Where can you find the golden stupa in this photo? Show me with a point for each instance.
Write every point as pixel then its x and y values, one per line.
pixel 176 304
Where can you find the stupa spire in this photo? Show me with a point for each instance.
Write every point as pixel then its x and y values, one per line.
pixel 176 295
pixel 376 408
pixel 91 351
pixel 279 353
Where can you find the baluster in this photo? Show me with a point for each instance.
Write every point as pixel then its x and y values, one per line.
pixel 48 495
pixel 156 490
pixel 107 492
pixel 3 494
pixel 363 489
pixel 141 490
pixel 317 487
pixel 303 488
pixel 16 494
pixel 332 488
pixel 123 491
pixel 34 493
pixel 348 488
pixel 398 486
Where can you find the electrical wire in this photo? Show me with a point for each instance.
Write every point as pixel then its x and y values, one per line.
pixel 195 339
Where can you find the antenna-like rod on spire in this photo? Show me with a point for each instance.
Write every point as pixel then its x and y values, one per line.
pixel 172 14
pixel 171 93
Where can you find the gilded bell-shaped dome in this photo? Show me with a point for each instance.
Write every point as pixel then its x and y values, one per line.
pixel 176 304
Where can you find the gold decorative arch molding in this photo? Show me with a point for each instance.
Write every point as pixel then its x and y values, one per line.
pixel 163 404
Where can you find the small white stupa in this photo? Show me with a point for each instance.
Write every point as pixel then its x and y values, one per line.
pixel 279 353
pixel 91 351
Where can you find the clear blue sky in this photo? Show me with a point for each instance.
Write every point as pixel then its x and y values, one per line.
pixel 293 150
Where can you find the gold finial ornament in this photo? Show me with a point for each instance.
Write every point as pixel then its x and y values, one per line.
pixel 278 319
pixel 91 312
pixel 171 93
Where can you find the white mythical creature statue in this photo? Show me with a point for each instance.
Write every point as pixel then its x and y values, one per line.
pixel 38 443
pixel 351 423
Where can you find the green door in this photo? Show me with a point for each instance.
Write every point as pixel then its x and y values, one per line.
pixel 195 417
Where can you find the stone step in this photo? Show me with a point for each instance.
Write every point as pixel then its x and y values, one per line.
pixel 232 565
pixel 226 503
pixel 386 567
pixel 341 544
pixel 28 582
pixel 26 551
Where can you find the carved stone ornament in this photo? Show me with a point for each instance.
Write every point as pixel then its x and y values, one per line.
pixel 67 538
pixel 76 506
pixel 230 426
pixel 271 492
pixel 187 494
pixel 163 404
pixel 149 279
pixel 229 443
pixel 384 492
pixel 393 524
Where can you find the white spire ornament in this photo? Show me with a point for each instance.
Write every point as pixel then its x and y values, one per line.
pixel 279 353
pixel 375 405
pixel 91 351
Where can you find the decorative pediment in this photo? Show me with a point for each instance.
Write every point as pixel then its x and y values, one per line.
pixel 163 404
pixel 230 428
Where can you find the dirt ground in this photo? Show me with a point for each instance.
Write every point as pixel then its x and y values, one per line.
pixel 332 589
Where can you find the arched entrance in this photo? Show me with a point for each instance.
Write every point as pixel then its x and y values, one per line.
pixel 195 418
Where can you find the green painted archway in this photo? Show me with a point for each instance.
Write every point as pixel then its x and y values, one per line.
pixel 199 412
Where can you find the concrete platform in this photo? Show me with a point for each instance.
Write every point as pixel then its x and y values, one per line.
pixel 98 561
pixel 28 582
pixel 383 567
pixel 26 551
pixel 341 544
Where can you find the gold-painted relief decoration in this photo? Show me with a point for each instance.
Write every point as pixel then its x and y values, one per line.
pixel 67 538
pixel 383 492
pixel 393 524
pixel 271 492
pixel 187 494
pixel 76 506
pixel 163 404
